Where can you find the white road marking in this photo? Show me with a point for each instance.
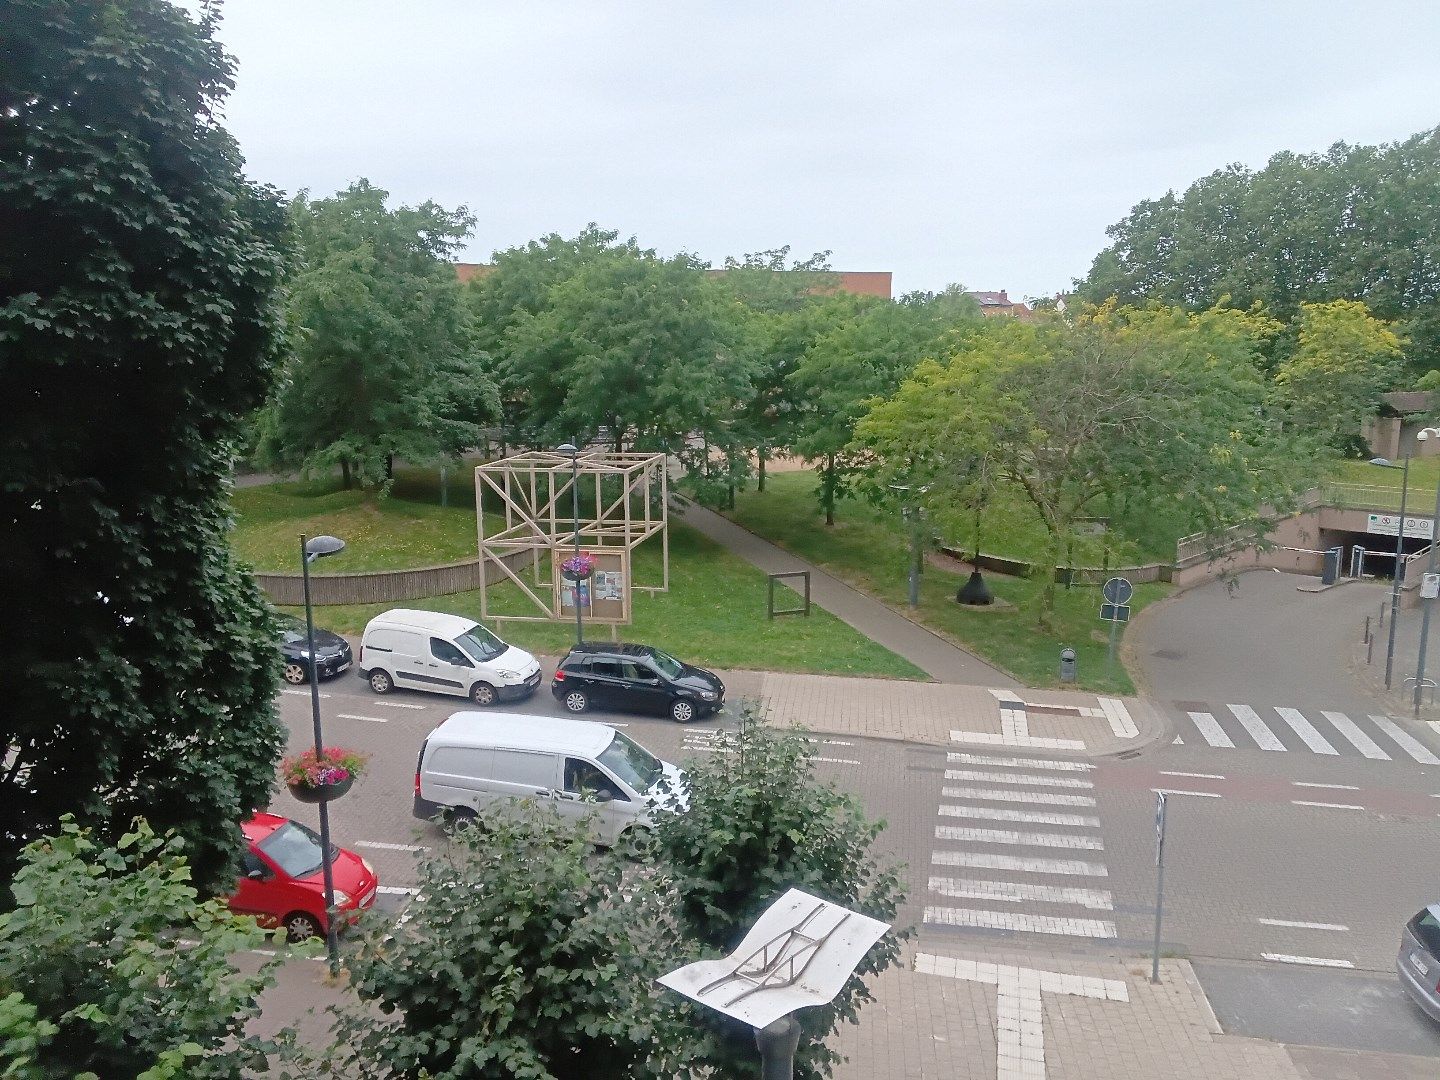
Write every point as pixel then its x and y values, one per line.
pixel 1434 726
pixel 984 861
pixel 836 760
pixel 382 846
pixel 1016 778
pixel 303 693
pixel 830 742
pixel 1306 730
pixel 1119 716
pixel 1020 762
pixel 1017 893
pixel 1358 738
pixel 1406 742
pixel 1001 795
pixel 1313 961
pixel 1010 836
pixel 1194 775
pixel 400 705
pixel 1305 925
pixel 1051 982
pixel 1019 920
pixel 1331 787
pixel 1327 805
pixel 372 719
pixel 397 890
pixel 1178 741
pixel 1213 733
pixel 1029 742
pixel 1250 720
pixel 1032 817
pixel 1181 791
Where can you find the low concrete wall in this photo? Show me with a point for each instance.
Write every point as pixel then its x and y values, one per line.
pixel 382 586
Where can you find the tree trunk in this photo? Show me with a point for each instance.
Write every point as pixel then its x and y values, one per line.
pixel 345 473
pixel 389 466
pixel 760 484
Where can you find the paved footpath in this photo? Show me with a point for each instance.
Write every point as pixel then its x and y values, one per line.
pixel 942 660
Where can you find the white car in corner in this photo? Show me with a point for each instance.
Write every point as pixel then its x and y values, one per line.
pixel 444 654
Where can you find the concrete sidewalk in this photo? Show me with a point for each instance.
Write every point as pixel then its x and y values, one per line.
pixel 940 659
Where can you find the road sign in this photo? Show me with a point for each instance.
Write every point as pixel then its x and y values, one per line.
pixel 1118 590
pixel 1116 613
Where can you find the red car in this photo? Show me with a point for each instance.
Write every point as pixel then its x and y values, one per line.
pixel 282 883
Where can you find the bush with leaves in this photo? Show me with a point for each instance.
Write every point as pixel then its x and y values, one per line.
pixel 760 823
pixel 112 966
pixel 526 954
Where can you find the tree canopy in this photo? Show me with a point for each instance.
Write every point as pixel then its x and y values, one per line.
pixel 1354 223
pixel 138 272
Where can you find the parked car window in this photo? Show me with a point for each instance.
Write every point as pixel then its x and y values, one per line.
pixel 1426 928
pixel 481 643
pixel 666 663
pixel 443 650
pixel 606 669
pixel 295 849
pixel 631 762
pixel 638 672
pixel 250 862
pixel 583 778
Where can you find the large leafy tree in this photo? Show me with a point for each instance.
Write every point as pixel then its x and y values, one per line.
pixel 138 269
pixel 113 967
pixel 1354 223
pixel 1157 406
pixel 385 361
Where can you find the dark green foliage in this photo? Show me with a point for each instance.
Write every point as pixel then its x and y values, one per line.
pixel 526 955
pixel 760 823
pixel 1354 223
pixel 137 273
pixel 112 967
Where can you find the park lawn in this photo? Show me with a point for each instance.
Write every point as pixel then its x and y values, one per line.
pixel 870 552
pixel 1424 477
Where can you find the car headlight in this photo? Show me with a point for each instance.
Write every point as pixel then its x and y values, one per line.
pixel 342 899
pixel 707 695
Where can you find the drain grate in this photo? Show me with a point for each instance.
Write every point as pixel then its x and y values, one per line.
pixel 1168 654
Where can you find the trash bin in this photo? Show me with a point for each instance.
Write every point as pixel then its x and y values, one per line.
pixel 1331 573
pixel 1067 664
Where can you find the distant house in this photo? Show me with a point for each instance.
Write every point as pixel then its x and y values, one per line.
pixel 999 305
pixel 1390 433
pixel 857 282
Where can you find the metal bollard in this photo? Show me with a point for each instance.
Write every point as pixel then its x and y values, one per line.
pixel 1067 664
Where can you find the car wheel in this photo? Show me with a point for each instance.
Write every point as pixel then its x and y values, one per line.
pixel 296 672
pixel 381 682
pixel 576 701
pixel 482 693
pixel 301 926
pixel 682 711
pixel 458 818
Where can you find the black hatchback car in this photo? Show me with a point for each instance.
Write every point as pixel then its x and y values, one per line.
pixel 635 678
pixel 332 652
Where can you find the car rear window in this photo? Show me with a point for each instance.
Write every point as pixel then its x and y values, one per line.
pixel 1426 929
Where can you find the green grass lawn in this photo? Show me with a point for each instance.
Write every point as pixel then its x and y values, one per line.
pixel 869 550
pixel 1386 482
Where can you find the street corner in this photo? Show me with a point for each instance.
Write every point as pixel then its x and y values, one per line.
pixel 962 1010
pixel 1064 721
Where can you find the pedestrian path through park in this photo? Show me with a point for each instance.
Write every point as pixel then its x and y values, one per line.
pixel 942 660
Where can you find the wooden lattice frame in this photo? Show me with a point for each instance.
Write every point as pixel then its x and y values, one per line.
pixel 535 490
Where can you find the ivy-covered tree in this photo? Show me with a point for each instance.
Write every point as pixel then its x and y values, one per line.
pixel 138 270
pixel 113 967
pixel 759 823
pixel 385 362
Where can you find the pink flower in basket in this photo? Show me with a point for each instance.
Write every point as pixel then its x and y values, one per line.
pixel 334 766
pixel 578 567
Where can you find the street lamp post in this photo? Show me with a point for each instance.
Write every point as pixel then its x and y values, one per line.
pixel 1399 566
pixel 573 453
pixel 913 516
pixel 1424 435
pixel 311 549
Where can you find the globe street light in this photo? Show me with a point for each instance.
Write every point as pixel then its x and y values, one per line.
pixel 571 451
pixel 320 547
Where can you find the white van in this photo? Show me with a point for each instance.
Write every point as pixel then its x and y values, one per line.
pixel 444 654
pixel 579 767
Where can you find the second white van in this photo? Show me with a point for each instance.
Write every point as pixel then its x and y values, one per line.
pixel 444 654
pixel 581 768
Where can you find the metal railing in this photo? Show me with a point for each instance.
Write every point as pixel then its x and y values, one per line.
pixel 1362 497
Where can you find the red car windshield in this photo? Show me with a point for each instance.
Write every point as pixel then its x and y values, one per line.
pixel 295 849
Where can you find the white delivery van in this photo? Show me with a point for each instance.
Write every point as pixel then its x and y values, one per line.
pixel 579 767
pixel 444 654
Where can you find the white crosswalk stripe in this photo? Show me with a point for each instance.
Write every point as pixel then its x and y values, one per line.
pixel 1008 920
pixel 1212 732
pixel 1410 745
pixel 1020 762
pixel 1030 817
pixel 1024 779
pixel 1358 738
pixel 1253 726
pixel 1306 730
pixel 1016 892
pixel 1013 836
pixel 1250 720
pixel 979 860
pixel 1005 795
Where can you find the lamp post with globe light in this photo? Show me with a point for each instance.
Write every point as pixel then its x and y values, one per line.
pixel 571 451
pixel 1424 435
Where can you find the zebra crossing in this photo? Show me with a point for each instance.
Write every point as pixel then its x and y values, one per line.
pixel 1278 728
pixel 1003 824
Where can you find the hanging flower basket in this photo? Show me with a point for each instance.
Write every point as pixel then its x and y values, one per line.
pixel 317 778
pixel 578 567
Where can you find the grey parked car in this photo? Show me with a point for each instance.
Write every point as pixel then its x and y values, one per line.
pixel 1419 961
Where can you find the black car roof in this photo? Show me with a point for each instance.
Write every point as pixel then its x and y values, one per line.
pixel 609 648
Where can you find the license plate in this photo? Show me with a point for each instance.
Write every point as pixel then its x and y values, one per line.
pixel 1418 964
pixel 533 680
pixel 342 667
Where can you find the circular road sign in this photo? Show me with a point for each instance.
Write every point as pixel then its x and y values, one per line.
pixel 1118 590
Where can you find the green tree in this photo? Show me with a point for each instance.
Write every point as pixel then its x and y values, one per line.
pixel 759 823
pixel 1344 359
pixel 112 967
pixel 385 360
pixel 138 270
pixel 1157 405
pixel 862 358
pixel 1354 223
pixel 525 954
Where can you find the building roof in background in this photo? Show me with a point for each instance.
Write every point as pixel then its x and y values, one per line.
pixel 467 271
pixel 999 303
pixel 857 282
pixel 1405 402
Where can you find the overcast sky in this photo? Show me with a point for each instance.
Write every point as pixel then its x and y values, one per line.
pixel 986 144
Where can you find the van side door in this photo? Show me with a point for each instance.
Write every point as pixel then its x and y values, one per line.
pixel 448 669
pixel 401 653
pixel 587 789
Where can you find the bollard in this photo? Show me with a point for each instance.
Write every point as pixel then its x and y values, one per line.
pixel 1067 664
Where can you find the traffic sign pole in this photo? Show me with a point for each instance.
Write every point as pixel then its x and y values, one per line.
pixel 1159 881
